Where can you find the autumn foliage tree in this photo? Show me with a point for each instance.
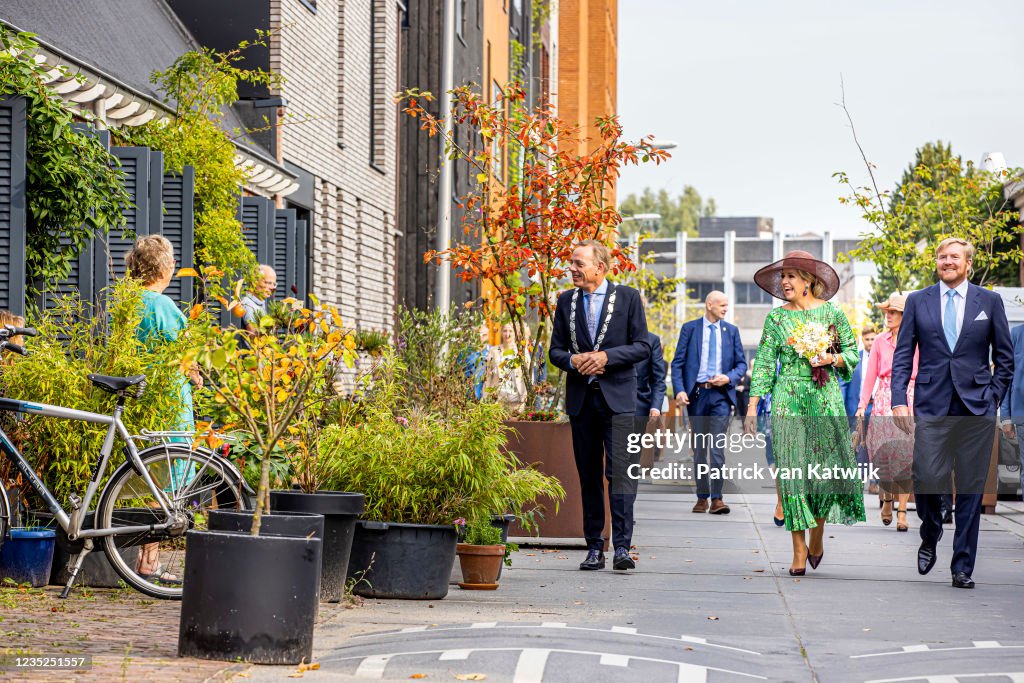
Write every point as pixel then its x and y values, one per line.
pixel 521 227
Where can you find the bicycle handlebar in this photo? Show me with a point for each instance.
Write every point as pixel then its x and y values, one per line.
pixel 15 331
pixel 14 348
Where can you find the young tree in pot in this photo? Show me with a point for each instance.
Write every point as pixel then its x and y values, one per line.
pixel 481 553
pixel 521 228
pixel 250 596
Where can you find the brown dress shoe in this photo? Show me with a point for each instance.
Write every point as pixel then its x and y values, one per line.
pixel 701 505
pixel 718 507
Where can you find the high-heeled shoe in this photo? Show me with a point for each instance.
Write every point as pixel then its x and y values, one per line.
pixel 797 572
pixel 779 521
pixel 815 560
pixel 901 525
pixel 887 513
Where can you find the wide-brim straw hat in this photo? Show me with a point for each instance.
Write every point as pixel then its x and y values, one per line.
pixel 769 278
pixel 895 302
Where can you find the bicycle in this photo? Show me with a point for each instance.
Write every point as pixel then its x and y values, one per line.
pixel 148 503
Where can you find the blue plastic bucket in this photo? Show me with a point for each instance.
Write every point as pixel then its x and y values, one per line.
pixel 26 556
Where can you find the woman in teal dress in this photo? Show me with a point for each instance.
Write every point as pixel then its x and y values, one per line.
pixel 810 432
pixel 151 261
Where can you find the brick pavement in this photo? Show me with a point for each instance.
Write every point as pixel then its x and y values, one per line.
pixel 130 637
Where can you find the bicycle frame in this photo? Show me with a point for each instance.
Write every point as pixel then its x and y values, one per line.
pixel 72 524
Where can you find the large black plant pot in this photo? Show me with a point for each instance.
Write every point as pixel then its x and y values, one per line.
pixel 407 561
pixel 249 598
pixel 340 510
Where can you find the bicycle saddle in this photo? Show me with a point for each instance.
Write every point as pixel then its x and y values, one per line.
pixel 116 385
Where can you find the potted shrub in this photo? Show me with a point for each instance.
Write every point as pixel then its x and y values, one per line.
pixel 254 596
pixel 420 471
pixel 481 552
pixel 520 233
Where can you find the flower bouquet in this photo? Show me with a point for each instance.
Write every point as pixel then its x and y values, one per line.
pixel 812 339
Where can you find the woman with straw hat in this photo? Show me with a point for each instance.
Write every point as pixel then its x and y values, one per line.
pixel 890 449
pixel 809 427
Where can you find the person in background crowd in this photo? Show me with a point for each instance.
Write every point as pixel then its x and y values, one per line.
pixel 255 301
pixel 1012 409
pixel 708 363
pixel 151 261
pixel 890 449
pixel 851 397
pixel 504 375
pixel 957 327
pixel 598 337
pixel 476 362
pixel 650 378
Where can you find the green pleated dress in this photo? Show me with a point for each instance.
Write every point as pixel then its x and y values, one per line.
pixel 809 425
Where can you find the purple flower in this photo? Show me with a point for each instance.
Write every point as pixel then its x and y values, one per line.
pixel 402 421
pixel 461 521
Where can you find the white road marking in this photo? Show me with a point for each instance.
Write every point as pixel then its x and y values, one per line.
pixel 484 624
pixel 530 667
pixel 690 673
pixel 905 651
pixel 373 666
pixel 656 660
pixel 916 648
pixel 615 660
pixel 987 643
pixel 621 630
pixel 454 655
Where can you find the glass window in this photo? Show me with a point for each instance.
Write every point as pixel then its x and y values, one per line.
pixel 698 291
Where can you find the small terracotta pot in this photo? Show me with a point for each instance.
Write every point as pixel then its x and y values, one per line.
pixel 480 565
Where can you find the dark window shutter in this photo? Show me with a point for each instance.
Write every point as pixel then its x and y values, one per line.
pixel 87 129
pixel 178 198
pixel 12 204
pixel 258 226
pixel 135 163
pixel 301 260
pixel 156 184
pixel 284 252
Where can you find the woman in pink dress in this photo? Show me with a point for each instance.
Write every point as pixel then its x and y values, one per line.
pixel 890 449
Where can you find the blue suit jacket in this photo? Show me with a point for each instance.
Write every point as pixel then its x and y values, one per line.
pixel 851 389
pixel 966 367
pixel 1013 400
pixel 686 362
pixel 650 378
pixel 626 344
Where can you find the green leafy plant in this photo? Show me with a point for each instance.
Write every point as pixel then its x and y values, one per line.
pixel 429 468
pixel 372 342
pixel 200 86
pixel 75 188
pixel 480 531
pixel 74 340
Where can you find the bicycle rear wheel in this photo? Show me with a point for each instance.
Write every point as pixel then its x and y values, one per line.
pixel 153 562
pixel 5 514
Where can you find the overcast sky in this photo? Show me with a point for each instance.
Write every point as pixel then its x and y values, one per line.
pixel 748 90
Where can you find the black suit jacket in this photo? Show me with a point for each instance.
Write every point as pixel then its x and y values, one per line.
pixel 625 343
pixel 650 378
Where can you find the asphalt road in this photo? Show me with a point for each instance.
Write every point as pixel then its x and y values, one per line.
pixel 711 600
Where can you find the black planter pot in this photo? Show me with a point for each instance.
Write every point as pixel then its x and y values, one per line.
pixel 294 524
pixel 340 510
pixel 503 522
pixel 406 561
pixel 249 598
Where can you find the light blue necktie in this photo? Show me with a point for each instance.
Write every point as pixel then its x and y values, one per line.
pixel 592 316
pixel 949 319
pixel 712 352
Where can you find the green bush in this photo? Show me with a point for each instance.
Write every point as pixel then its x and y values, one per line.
pixel 424 468
pixel 480 531
pixel 74 340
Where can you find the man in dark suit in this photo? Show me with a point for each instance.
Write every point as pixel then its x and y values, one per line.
pixel 956 326
pixel 598 337
pixel 708 364
pixel 650 380
pixel 1012 411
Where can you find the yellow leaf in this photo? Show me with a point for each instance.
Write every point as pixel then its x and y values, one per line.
pixel 196 310
pixel 481 177
pixel 418 676
pixel 187 272
pixel 282 395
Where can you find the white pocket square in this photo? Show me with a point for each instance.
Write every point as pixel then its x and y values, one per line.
pixel 981 316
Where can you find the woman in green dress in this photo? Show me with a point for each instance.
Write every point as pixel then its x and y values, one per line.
pixel 810 431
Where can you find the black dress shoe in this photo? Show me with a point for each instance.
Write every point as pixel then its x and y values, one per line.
pixel 595 560
pixel 962 580
pixel 947 516
pixel 622 560
pixel 926 555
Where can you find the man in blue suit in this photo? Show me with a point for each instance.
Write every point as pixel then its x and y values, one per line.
pixel 706 368
pixel 1012 410
pixel 650 380
pixel 598 337
pixel 956 326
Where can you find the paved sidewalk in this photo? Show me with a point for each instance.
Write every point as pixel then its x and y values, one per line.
pixel 711 600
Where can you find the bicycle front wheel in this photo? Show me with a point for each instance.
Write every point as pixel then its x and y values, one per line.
pixel 153 562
